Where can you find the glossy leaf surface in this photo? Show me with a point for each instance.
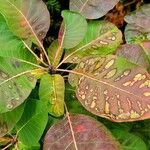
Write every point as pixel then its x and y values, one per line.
pixel 72 30
pixel 31 19
pixel 52 93
pixel 113 88
pixel 16 83
pixel 85 133
pixel 102 38
pixel 32 123
pixel 92 9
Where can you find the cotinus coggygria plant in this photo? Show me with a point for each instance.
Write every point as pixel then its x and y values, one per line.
pixel 56 96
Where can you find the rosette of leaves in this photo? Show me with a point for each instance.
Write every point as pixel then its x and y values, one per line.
pixel 104 83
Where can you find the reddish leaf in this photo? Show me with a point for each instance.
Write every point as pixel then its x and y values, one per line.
pixel 79 132
pixel 113 88
pixel 92 9
pixel 138 28
pixel 136 54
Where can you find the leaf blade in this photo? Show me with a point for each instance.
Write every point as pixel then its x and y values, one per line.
pixel 88 135
pixel 52 93
pixel 92 9
pixel 111 85
pixel 21 24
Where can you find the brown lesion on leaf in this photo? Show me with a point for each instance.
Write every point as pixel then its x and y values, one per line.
pixel 147 94
pixel 110 74
pixel 3 128
pixel 134 114
pixel 107 108
pixel 109 64
pixel 145 84
pixel 3 75
pixel 137 77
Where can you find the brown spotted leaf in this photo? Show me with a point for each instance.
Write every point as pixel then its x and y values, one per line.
pixel 92 9
pixel 79 132
pixel 113 88
pixel 102 38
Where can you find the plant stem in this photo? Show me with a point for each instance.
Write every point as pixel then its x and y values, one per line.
pixel 38 59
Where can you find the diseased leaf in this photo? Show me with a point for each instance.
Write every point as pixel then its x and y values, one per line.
pixel 102 38
pixel 92 9
pixel 16 83
pixel 129 141
pixel 32 123
pixel 113 88
pixel 72 30
pixel 51 92
pixel 136 54
pixel 138 28
pixel 72 102
pixel 8 120
pixel 31 19
pixel 85 134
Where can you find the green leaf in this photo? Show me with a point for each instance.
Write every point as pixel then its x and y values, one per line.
pixel 72 30
pixel 8 120
pixel 16 83
pixel 30 19
pixel 113 88
pixel 102 38
pixel 11 46
pixel 138 28
pixel 92 9
pixel 33 122
pixel 52 53
pixel 79 132
pixel 129 141
pixel 52 93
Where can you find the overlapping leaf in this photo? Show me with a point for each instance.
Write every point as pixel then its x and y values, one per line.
pixel 92 9
pixel 16 83
pixel 72 30
pixel 52 53
pixel 30 19
pixel 102 38
pixel 113 88
pixel 138 54
pixel 80 132
pixel 138 28
pixel 8 120
pixel 52 93
pixel 11 46
pixel 129 141
pixel 32 123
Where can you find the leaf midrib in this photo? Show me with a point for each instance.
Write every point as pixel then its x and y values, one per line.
pixel 100 81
